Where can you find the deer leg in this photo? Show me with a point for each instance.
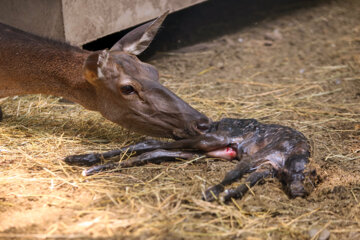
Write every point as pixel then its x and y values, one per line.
pixel 158 155
pixel 240 191
pixel 241 168
pixel 94 158
pixel 1 114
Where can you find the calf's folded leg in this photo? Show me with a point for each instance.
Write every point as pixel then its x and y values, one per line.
pixel 239 192
pixel 241 168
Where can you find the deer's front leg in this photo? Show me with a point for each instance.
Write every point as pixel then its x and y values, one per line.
pixel 153 156
pixel 94 158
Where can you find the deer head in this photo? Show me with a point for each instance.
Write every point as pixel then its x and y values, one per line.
pixel 128 91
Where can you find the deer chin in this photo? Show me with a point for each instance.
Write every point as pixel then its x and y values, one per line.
pixel 167 131
pixel 155 130
pixel 178 134
pixel 152 127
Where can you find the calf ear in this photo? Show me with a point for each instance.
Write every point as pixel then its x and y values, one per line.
pixel 136 41
pixel 93 66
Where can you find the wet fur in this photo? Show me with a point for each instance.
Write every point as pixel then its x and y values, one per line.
pixel 264 148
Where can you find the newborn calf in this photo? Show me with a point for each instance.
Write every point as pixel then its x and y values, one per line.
pixel 262 150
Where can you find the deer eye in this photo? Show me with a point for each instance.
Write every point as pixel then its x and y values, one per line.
pixel 127 89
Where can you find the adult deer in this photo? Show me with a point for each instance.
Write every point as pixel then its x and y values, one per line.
pixel 114 82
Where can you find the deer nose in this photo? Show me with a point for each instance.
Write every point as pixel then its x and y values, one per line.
pixel 203 125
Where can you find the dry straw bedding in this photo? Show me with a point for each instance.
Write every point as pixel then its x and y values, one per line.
pixel 307 77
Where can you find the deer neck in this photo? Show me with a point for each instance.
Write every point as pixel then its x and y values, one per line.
pixel 32 65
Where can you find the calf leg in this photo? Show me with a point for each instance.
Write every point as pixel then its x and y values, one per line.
pixel 240 191
pixel 241 168
pixel 154 156
pixel 204 143
pixel 94 158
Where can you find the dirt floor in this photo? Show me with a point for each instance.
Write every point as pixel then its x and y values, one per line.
pixel 299 69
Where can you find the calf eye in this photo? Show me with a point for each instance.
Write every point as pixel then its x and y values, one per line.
pixel 127 89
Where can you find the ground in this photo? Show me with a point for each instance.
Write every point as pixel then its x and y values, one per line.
pixel 300 68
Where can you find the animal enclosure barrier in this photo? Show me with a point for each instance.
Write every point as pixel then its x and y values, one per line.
pixel 79 22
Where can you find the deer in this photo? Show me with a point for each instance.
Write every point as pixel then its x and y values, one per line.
pixel 112 81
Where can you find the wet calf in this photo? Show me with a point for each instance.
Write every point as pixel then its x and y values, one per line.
pixel 263 150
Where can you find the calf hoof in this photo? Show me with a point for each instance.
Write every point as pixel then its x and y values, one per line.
pixel 83 159
pixel 232 194
pixel 296 189
pixel 213 193
pixel 101 168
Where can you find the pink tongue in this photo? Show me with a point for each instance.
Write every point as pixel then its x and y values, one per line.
pixel 225 153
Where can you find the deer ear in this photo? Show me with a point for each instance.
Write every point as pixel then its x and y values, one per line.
pixel 136 41
pixel 93 66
